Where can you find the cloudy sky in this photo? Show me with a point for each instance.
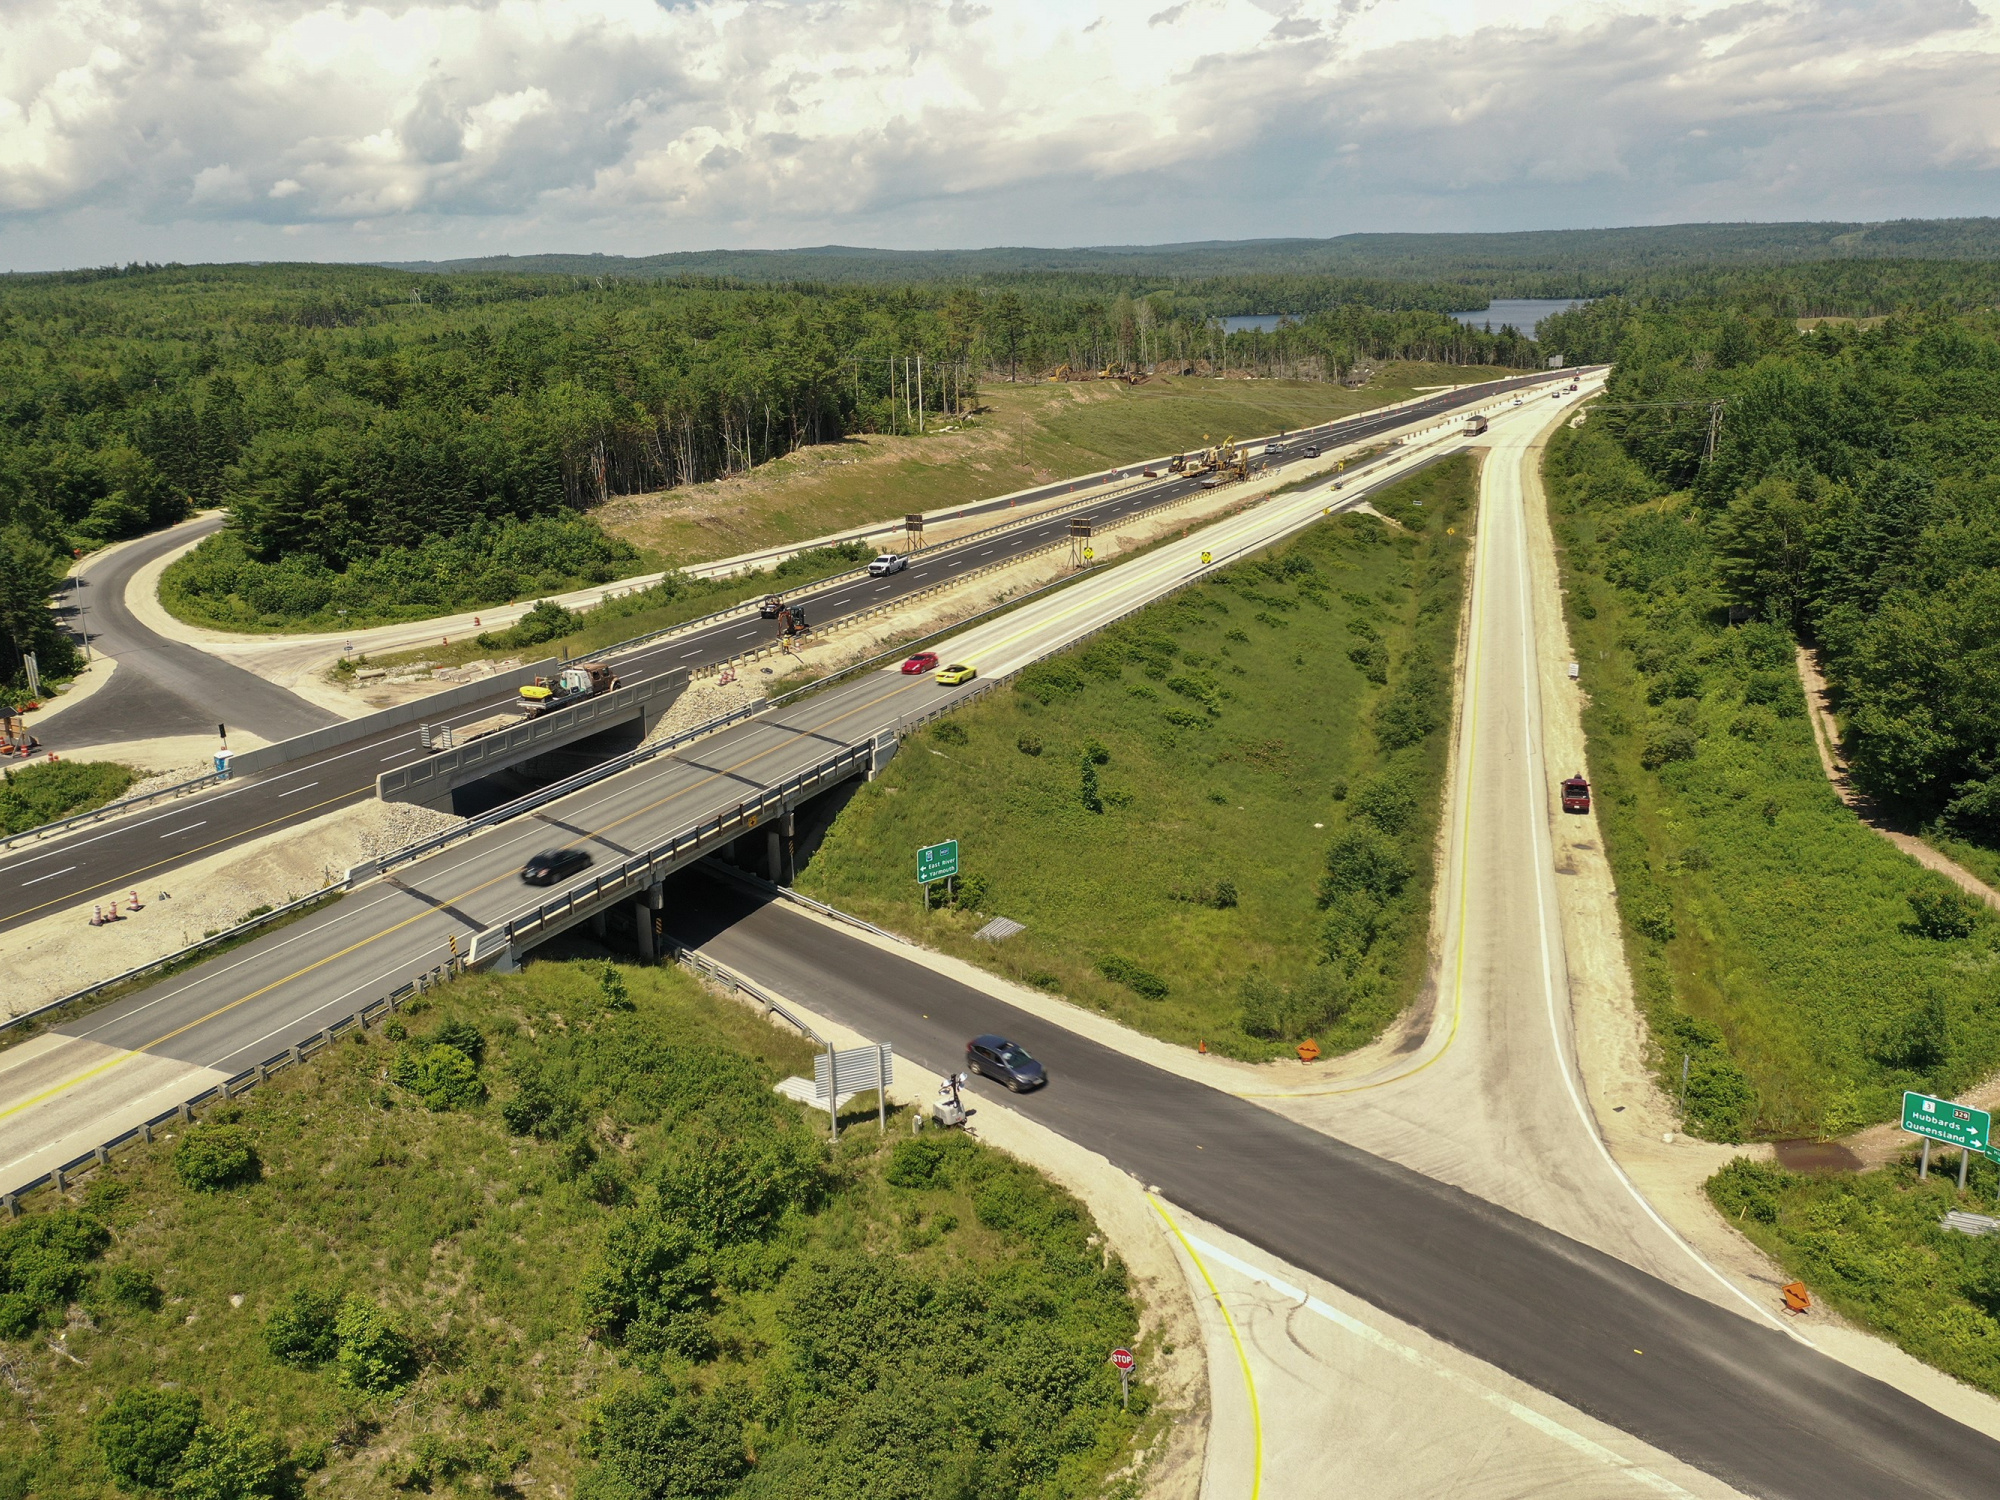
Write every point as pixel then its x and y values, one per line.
pixel 241 129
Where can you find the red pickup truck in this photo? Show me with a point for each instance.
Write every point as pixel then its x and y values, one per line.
pixel 1576 795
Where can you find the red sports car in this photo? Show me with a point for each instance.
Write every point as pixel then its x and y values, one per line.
pixel 922 662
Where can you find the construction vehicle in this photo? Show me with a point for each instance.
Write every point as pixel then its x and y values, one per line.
pixel 1475 424
pixel 569 686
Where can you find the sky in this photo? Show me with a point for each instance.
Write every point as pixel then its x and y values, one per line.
pixel 200 130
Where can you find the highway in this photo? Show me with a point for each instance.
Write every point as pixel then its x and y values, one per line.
pixel 63 1092
pixel 41 878
pixel 1729 1394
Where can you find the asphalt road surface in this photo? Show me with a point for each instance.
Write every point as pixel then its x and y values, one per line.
pixel 41 878
pixel 1734 1397
pixel 162 687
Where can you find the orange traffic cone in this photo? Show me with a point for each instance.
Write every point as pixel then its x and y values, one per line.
pixel 1203 1048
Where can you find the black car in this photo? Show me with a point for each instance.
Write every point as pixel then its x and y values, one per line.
pixel 1001 1060
pixel 552 865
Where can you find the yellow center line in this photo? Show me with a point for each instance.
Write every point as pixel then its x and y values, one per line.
pixel 1475 658
pixel 1242 1354
pixel 145 1047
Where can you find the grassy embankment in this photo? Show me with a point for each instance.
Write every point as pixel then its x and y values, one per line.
pixel 1871 1246
pixel 1216 819
pixel 1029 434
pixel 555 1236
pixel 47 790
pixel 1809 970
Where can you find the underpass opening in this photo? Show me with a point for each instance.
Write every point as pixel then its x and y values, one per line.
pixel 503 786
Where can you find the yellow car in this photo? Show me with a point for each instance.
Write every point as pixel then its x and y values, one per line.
pixel 956 673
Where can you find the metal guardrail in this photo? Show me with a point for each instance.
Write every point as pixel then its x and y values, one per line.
pixel 110 810
pixel 183 1113
pixel 661 858
pixel 721 973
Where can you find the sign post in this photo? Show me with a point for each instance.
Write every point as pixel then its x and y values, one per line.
pixel 1951 1124
pixel 1122 1358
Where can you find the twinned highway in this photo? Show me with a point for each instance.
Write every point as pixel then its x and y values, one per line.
pixel 1725 1392
pixel 174 688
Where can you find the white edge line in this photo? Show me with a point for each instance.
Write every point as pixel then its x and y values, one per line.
pixel 1537 832
pixel 1542 1423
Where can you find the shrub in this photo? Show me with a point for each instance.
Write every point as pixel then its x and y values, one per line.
pixel 463 1035
pixel 1389 800
pixel 143 1435
pixel 1092 798
pixel 48 790
pixel 1748 1189
pixel 1920 1040
pixel 545 622
pixel 232 1462
pixel 922 1161
pixel 727 1190
pixel 43 1262
pixel 1139 981
pixel 128 1286
pixel 1280 1013
pixel 1363 860
pixel 612 983
pixel 1029 744
pixel 1720 1098
pixel 541 1109
pixel 303 1331
pixel 443 1077
pixel 1047 681
pixel 1655 921
pixel 1668 743
pixel 1095 752
pixel 1224 898
pixel 660 1443
pixel 1353 922
pixel 971 892
pixel 210 1158
pixel 373 1354
pixel 1942 912
pixel 949 732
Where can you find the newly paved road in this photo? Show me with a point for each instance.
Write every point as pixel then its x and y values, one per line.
pixel 164 684
pixel 1734 1397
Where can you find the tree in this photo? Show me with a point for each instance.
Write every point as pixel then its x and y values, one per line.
pixel 374 1355
pixel 28 576
pixel 1008 319
pixel 212 1157
pixel 1764 549
pixel 235 1461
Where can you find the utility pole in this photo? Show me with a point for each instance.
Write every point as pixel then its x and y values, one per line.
pixel 920 393
pixel 1714 431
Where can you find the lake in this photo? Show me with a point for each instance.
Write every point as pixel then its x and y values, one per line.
pixel 1523 314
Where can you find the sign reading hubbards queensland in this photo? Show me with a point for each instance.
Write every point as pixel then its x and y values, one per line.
pixel 1941 1120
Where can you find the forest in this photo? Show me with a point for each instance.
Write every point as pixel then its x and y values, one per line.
pixel 379 435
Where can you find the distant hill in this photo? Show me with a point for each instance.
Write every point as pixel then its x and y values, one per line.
pixel 1545 262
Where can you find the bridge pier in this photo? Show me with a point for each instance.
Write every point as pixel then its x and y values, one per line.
pixel 652 899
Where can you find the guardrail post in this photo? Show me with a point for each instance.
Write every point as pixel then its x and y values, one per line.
pixel 8 1202
pixel 57 1176
pixel 103 1155
pixel 183 1113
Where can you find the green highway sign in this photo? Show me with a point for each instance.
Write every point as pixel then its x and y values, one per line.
pixel 1942 1120
pixel 937 861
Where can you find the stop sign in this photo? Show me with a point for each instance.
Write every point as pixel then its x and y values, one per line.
pixel 1122 1358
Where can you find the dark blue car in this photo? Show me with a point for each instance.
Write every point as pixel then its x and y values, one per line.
pixel 1002 1061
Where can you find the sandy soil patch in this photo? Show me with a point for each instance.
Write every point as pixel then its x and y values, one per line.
pixel 61 953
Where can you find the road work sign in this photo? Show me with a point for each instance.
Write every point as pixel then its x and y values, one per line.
pixel 937 861
pixel 1942 1120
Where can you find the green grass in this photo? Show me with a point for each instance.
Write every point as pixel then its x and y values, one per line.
pixel 50 790
pixel 1236 740
pixel 1870 1246
pixel 1772 936
pixel 616 1264
pixel 1030 434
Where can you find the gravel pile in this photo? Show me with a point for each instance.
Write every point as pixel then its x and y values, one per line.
pixel 700 703
pixel 172 776
pixel 389 826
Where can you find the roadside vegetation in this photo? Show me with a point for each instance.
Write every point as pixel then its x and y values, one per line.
pixel 44 791
pixel 1216 819
pixel 1807 970
pixel 1871 1245
pixel 554 1233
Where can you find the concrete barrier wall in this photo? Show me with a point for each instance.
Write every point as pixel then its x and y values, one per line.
pixel 285 751
pixel 430 778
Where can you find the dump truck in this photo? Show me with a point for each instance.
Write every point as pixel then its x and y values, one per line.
pixel 1475 424
pixel 569 686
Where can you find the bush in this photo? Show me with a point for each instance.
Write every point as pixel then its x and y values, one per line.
pixel 1287 1014
pixel 1096 753
pixel 1720 1098
pixel 547 621
pixel 49 790
pixel 1668 743
pixel 1748 1189
pixel 232 1462
pixel 143 1435
pixel 660 1443
pixel 1942 912
pixel 373 1354
pixel 1362 860
pixel 1029 744
pixel 466 1037
pixel 128 1286
pixel 303 1331
pixel 442 1076
pixel 1092 798
pixel 43 1262
pixel 948 732
pixel 210 1158
pixel 922 1161
pixel 1139 981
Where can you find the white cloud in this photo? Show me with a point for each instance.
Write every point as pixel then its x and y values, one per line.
pixel 208 127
